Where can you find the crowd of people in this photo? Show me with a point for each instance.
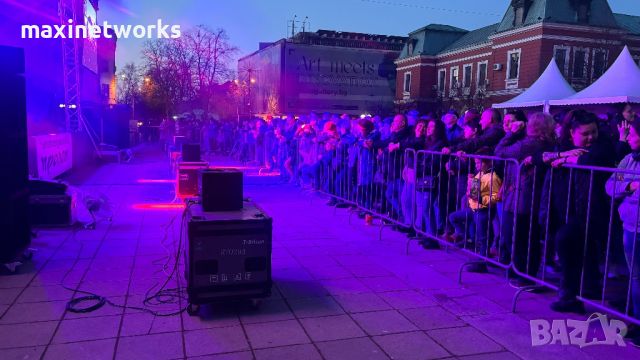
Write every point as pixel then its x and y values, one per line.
pixel 526 191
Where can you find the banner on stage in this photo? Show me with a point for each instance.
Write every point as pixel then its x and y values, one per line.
pixel 53 154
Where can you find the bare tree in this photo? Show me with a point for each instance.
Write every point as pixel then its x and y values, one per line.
pixel 129 79
pixel 186 71
pixel 211 54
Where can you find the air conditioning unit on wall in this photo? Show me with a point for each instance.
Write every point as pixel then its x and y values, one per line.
pixel 497 67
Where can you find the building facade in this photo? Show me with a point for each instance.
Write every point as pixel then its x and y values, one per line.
pixel 323 71
pixel 444 67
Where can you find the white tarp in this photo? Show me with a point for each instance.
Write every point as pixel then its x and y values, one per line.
pixel 551 85
pixel 619 84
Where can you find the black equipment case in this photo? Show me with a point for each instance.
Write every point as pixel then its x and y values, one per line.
pixel 51 210
pixel 228 255
pixel 188 178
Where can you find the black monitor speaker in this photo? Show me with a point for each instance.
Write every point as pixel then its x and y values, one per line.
pixel 221 189
pixel 190 152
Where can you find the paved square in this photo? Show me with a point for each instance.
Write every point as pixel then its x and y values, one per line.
pixel 339 291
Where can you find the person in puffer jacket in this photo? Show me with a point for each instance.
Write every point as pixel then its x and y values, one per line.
pixel 624 186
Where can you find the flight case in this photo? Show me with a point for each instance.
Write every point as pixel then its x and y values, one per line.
pixel 227 255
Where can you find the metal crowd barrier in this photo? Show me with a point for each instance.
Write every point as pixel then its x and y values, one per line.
pixel 580 230
pixel 442 204
pixel 426 190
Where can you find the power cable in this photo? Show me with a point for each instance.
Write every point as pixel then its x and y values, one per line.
pixel 162 296
pixel 389 3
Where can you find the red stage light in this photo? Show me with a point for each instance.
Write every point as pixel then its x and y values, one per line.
pixel 235 167
pixel 168 206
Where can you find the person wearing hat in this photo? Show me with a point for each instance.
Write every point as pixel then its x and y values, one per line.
pixel 452 129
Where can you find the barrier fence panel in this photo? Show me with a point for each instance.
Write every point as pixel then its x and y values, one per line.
pixel 459 202
pixel 573 240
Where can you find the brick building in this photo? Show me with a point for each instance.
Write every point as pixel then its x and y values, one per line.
pixel 444 67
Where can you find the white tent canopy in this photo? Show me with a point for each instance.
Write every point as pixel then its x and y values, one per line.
pixel 551 85
pixel 619 84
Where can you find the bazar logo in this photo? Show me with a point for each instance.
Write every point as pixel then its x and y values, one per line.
pixel 577 332
pixel 92 31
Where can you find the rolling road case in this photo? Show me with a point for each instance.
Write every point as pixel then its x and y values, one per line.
pixel 227 255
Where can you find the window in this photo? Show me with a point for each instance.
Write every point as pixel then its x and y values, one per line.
pixel 411 46
pixel 482 73
pixel 442 77
pixel 579 63
pixel 466 75
pixel 513 64
pixel 407 82
pixel 561 54
pixel 455 78
pixel 599 63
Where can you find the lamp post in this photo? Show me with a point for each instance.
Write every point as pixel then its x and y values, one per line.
pixel 251 81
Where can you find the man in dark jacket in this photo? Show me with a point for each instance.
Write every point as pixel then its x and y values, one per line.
pixel 393 154
pixel 521 194
pixel 492 133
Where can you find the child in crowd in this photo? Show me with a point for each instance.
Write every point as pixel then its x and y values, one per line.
pixel 482 195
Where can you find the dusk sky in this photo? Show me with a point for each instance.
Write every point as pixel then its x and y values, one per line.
pixel 249 22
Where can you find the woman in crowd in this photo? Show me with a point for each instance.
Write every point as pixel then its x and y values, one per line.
pixel 623 123
pixel 431 181
pixel 568 194
pixel 624 187
pixel 368 142
pixel 522 141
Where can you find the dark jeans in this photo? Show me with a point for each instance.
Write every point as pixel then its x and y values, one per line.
pixel 394 189
pixel 429 216
pixel 570 242
pixel 632 253
pixel 474 224
pixel 527 255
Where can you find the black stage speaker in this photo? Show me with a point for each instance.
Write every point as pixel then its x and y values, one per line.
pixel 14 177
pixel 190 152
pixel 221 189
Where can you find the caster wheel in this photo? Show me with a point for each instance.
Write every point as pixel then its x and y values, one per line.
pixel 193 309
pixel 256 303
